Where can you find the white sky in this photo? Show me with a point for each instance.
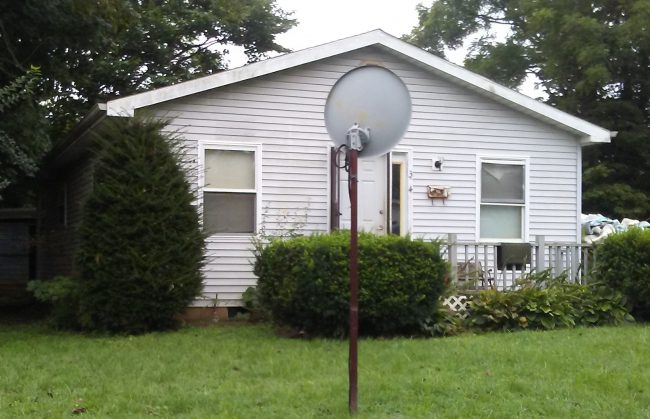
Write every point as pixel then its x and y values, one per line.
pixel 322 21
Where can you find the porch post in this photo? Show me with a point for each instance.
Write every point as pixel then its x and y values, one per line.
pixel 575 263
pixel 557 265
pixel 452 251
pixel 540 262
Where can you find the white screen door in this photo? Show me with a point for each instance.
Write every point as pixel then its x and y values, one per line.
pixel 372 195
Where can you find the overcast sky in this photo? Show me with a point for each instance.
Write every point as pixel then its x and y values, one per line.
pixel 325 21
pixel 322 21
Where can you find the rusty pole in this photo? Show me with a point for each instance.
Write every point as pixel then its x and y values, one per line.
pixel 354 283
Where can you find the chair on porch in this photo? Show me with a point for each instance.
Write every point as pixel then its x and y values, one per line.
pixel 470 272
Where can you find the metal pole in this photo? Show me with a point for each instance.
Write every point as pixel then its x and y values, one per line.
pixel 354 283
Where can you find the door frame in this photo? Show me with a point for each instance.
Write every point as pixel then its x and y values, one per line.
pixel 334 182
pixel 407 158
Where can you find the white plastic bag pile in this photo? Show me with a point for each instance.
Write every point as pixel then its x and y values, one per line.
pixel 597 227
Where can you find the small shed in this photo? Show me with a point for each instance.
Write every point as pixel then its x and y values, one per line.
pixel 17 252
pixel 478 160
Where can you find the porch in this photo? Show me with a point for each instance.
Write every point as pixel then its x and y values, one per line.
pixel 499 265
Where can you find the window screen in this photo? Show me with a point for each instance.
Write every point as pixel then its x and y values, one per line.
pixel 502 183
pixel 225 212
pixel 230 169
pixel 502 201
pixel 502 222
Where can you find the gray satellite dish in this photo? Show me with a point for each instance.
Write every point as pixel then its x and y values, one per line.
pixel 367 110
pixel 375 99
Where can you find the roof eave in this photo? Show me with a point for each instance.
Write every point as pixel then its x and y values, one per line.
pixel 62 152
pixel 587 132
pixel 126 106
pixel 602 137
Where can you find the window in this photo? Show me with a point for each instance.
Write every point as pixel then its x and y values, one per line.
pixel 503 200
pixel 229 191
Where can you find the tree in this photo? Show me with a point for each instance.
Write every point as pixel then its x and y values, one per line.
pixel 23 140
pixel 592 58
pixel 141 245
pixel 90 51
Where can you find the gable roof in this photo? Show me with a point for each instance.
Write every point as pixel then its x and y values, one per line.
pixel 588 132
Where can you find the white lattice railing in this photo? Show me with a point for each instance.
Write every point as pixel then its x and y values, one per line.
pixel 491 265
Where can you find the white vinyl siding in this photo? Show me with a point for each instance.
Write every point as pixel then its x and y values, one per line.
pixel 283 112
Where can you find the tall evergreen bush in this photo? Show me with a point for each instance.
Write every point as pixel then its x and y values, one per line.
pixel 141 248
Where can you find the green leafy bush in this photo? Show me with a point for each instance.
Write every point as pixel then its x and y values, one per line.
pixel 623 263
pixel 141 246
pixel 547 304
pixel 303 283
pixel 251 301
pixel 445 322
pixel 62 294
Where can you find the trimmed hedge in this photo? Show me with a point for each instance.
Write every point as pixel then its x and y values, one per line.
pixel 303 282
pixel 623 263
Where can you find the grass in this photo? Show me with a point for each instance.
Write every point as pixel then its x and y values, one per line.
pixel 241 370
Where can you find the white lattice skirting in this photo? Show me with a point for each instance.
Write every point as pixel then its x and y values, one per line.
pixel 458 304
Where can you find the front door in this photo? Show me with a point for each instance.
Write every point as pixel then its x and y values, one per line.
pixel 372 196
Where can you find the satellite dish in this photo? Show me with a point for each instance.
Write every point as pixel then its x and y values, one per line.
pixel 375 99
pixel 368 110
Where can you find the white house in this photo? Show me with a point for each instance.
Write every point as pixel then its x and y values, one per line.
pixel 478 160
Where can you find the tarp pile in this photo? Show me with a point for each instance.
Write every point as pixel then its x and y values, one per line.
pixel 597 227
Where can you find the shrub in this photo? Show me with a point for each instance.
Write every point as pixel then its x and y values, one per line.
pixel 62 294
pixel 141 247
pixel 303 282
pixel 623 263
pixel 547 304
pixel 445 322
pixel 251 301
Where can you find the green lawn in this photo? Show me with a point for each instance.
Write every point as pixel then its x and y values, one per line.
pixel 240 370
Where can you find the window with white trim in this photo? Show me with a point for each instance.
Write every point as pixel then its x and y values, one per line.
pixel 229 191
pixel 503 200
